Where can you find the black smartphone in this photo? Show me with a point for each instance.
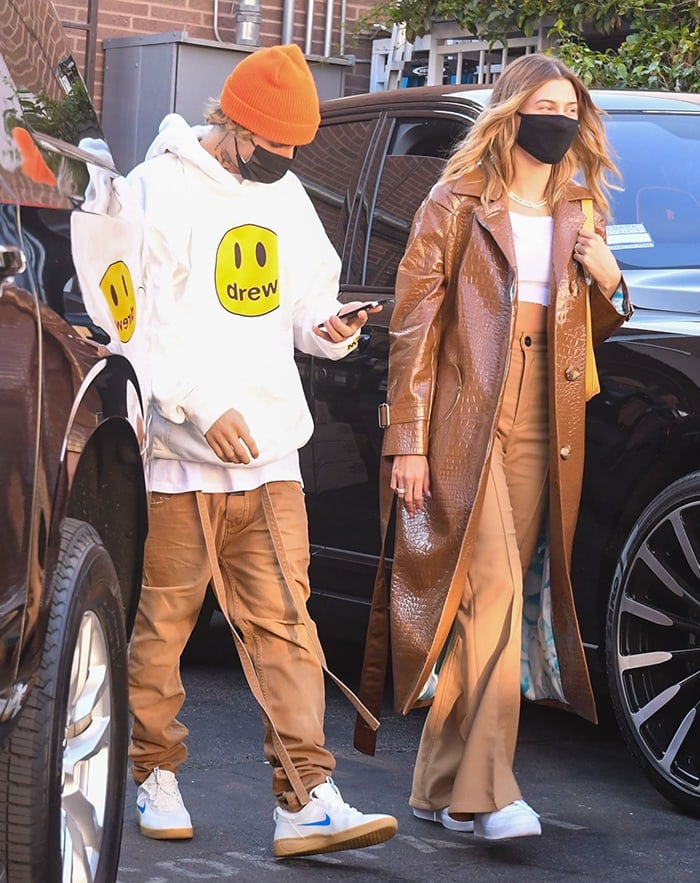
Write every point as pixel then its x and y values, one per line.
pixel 367 305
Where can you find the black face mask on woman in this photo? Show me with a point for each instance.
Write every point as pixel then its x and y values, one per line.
pixel 546 136
pixel 263 165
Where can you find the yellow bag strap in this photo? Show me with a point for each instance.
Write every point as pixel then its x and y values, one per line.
pixel 592 382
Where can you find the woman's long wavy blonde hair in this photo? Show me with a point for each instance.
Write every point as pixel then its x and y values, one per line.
pixel 490 141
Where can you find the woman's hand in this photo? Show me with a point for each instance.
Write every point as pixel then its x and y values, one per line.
pixel 598 261
pixel 410 480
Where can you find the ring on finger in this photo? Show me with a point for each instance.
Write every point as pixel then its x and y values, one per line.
pixel 400 490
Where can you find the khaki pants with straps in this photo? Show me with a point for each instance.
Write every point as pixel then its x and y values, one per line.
pixel 276 636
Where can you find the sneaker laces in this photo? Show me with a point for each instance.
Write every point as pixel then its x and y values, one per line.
pixel 163 792
pixel 331 795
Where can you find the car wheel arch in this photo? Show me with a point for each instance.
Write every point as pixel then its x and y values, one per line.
pixel 106 489
pixel 675 457
pixel 643 611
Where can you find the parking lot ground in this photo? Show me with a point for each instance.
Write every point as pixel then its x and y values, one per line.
pixel 601 820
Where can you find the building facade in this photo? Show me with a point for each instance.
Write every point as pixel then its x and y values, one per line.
pixel 324 30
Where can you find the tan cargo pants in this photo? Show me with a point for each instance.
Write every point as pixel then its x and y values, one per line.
pixel 176 574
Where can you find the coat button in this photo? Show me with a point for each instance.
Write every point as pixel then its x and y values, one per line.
pixel 565 452
pixel 572 373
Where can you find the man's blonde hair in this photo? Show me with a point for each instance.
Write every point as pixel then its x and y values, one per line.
pixel 214 115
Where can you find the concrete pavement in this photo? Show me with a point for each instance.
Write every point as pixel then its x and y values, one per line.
pixel 601 820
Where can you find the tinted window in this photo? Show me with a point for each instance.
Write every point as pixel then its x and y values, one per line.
pixel 329 169
pixel 414 161
pixel 656 219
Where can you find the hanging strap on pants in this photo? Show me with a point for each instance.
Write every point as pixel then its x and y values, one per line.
pixel 246 662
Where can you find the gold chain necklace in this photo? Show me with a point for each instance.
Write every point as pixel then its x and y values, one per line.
pixel 525 202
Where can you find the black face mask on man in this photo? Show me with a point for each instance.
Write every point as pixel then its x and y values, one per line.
pixel 546 136
pixel 263 165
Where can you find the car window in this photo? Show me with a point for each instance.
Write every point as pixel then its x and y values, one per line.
pixel 413 163
pixel 330 168
pixel 656 218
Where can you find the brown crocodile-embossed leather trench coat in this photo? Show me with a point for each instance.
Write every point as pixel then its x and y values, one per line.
pixel 451 334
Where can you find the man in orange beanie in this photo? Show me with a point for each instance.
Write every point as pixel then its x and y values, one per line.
pixel 240 273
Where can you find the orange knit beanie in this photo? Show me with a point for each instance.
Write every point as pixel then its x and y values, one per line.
pixel 273 94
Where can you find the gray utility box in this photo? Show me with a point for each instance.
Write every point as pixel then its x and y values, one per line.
pixel 151 76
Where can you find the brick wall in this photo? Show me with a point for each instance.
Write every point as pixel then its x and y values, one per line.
pixel 123 18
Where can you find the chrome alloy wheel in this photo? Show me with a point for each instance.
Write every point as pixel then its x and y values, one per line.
pixel 86 753
pixel 653 642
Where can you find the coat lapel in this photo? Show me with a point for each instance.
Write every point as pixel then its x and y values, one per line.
pixel 495 219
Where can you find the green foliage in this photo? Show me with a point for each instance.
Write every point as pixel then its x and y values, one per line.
pixel 67 118
pixel 660 39
pixel 660 52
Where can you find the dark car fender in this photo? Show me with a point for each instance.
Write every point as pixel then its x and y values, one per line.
pixel 90 467
pixel 642 433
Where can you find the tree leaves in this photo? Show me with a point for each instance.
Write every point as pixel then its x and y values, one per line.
pixel 659 40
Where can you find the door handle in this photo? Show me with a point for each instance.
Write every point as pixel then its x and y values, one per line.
pixel 12 262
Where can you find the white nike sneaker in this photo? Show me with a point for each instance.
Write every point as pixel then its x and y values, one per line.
pixel 160 810
pixel 328 824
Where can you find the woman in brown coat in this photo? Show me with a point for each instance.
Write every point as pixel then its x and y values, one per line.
pixel 498 291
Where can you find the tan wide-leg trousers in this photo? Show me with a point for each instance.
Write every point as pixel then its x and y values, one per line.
pixel 465 758
pixel 176 574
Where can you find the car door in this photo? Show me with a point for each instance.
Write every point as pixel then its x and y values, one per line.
pixel 20 391
pixel 35 205
pixel 401 158
pixel 44 176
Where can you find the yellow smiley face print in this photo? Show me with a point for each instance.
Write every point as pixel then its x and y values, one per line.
pixel 247 271
pixel 118 289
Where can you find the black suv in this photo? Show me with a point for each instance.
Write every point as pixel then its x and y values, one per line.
pixel 72 490
pixel 636 567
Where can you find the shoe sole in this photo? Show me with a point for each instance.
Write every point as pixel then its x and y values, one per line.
pixel 164 833
pixel 451 824
pixel 364 835
pixel 530 832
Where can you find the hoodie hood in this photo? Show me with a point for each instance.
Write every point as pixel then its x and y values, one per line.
pixel 176 136
pixel 238 275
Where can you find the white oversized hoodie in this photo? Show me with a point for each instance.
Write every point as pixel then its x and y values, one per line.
pixel 237 274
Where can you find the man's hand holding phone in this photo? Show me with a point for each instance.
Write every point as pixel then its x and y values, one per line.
pixel 349 318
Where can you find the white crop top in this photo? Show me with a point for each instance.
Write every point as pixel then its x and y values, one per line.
pixel 533 255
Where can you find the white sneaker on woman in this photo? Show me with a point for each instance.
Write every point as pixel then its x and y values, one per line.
pixel 442 817
pixel 515 820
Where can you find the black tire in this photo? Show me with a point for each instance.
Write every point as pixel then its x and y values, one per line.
pixel 64 819
pixel 653 642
